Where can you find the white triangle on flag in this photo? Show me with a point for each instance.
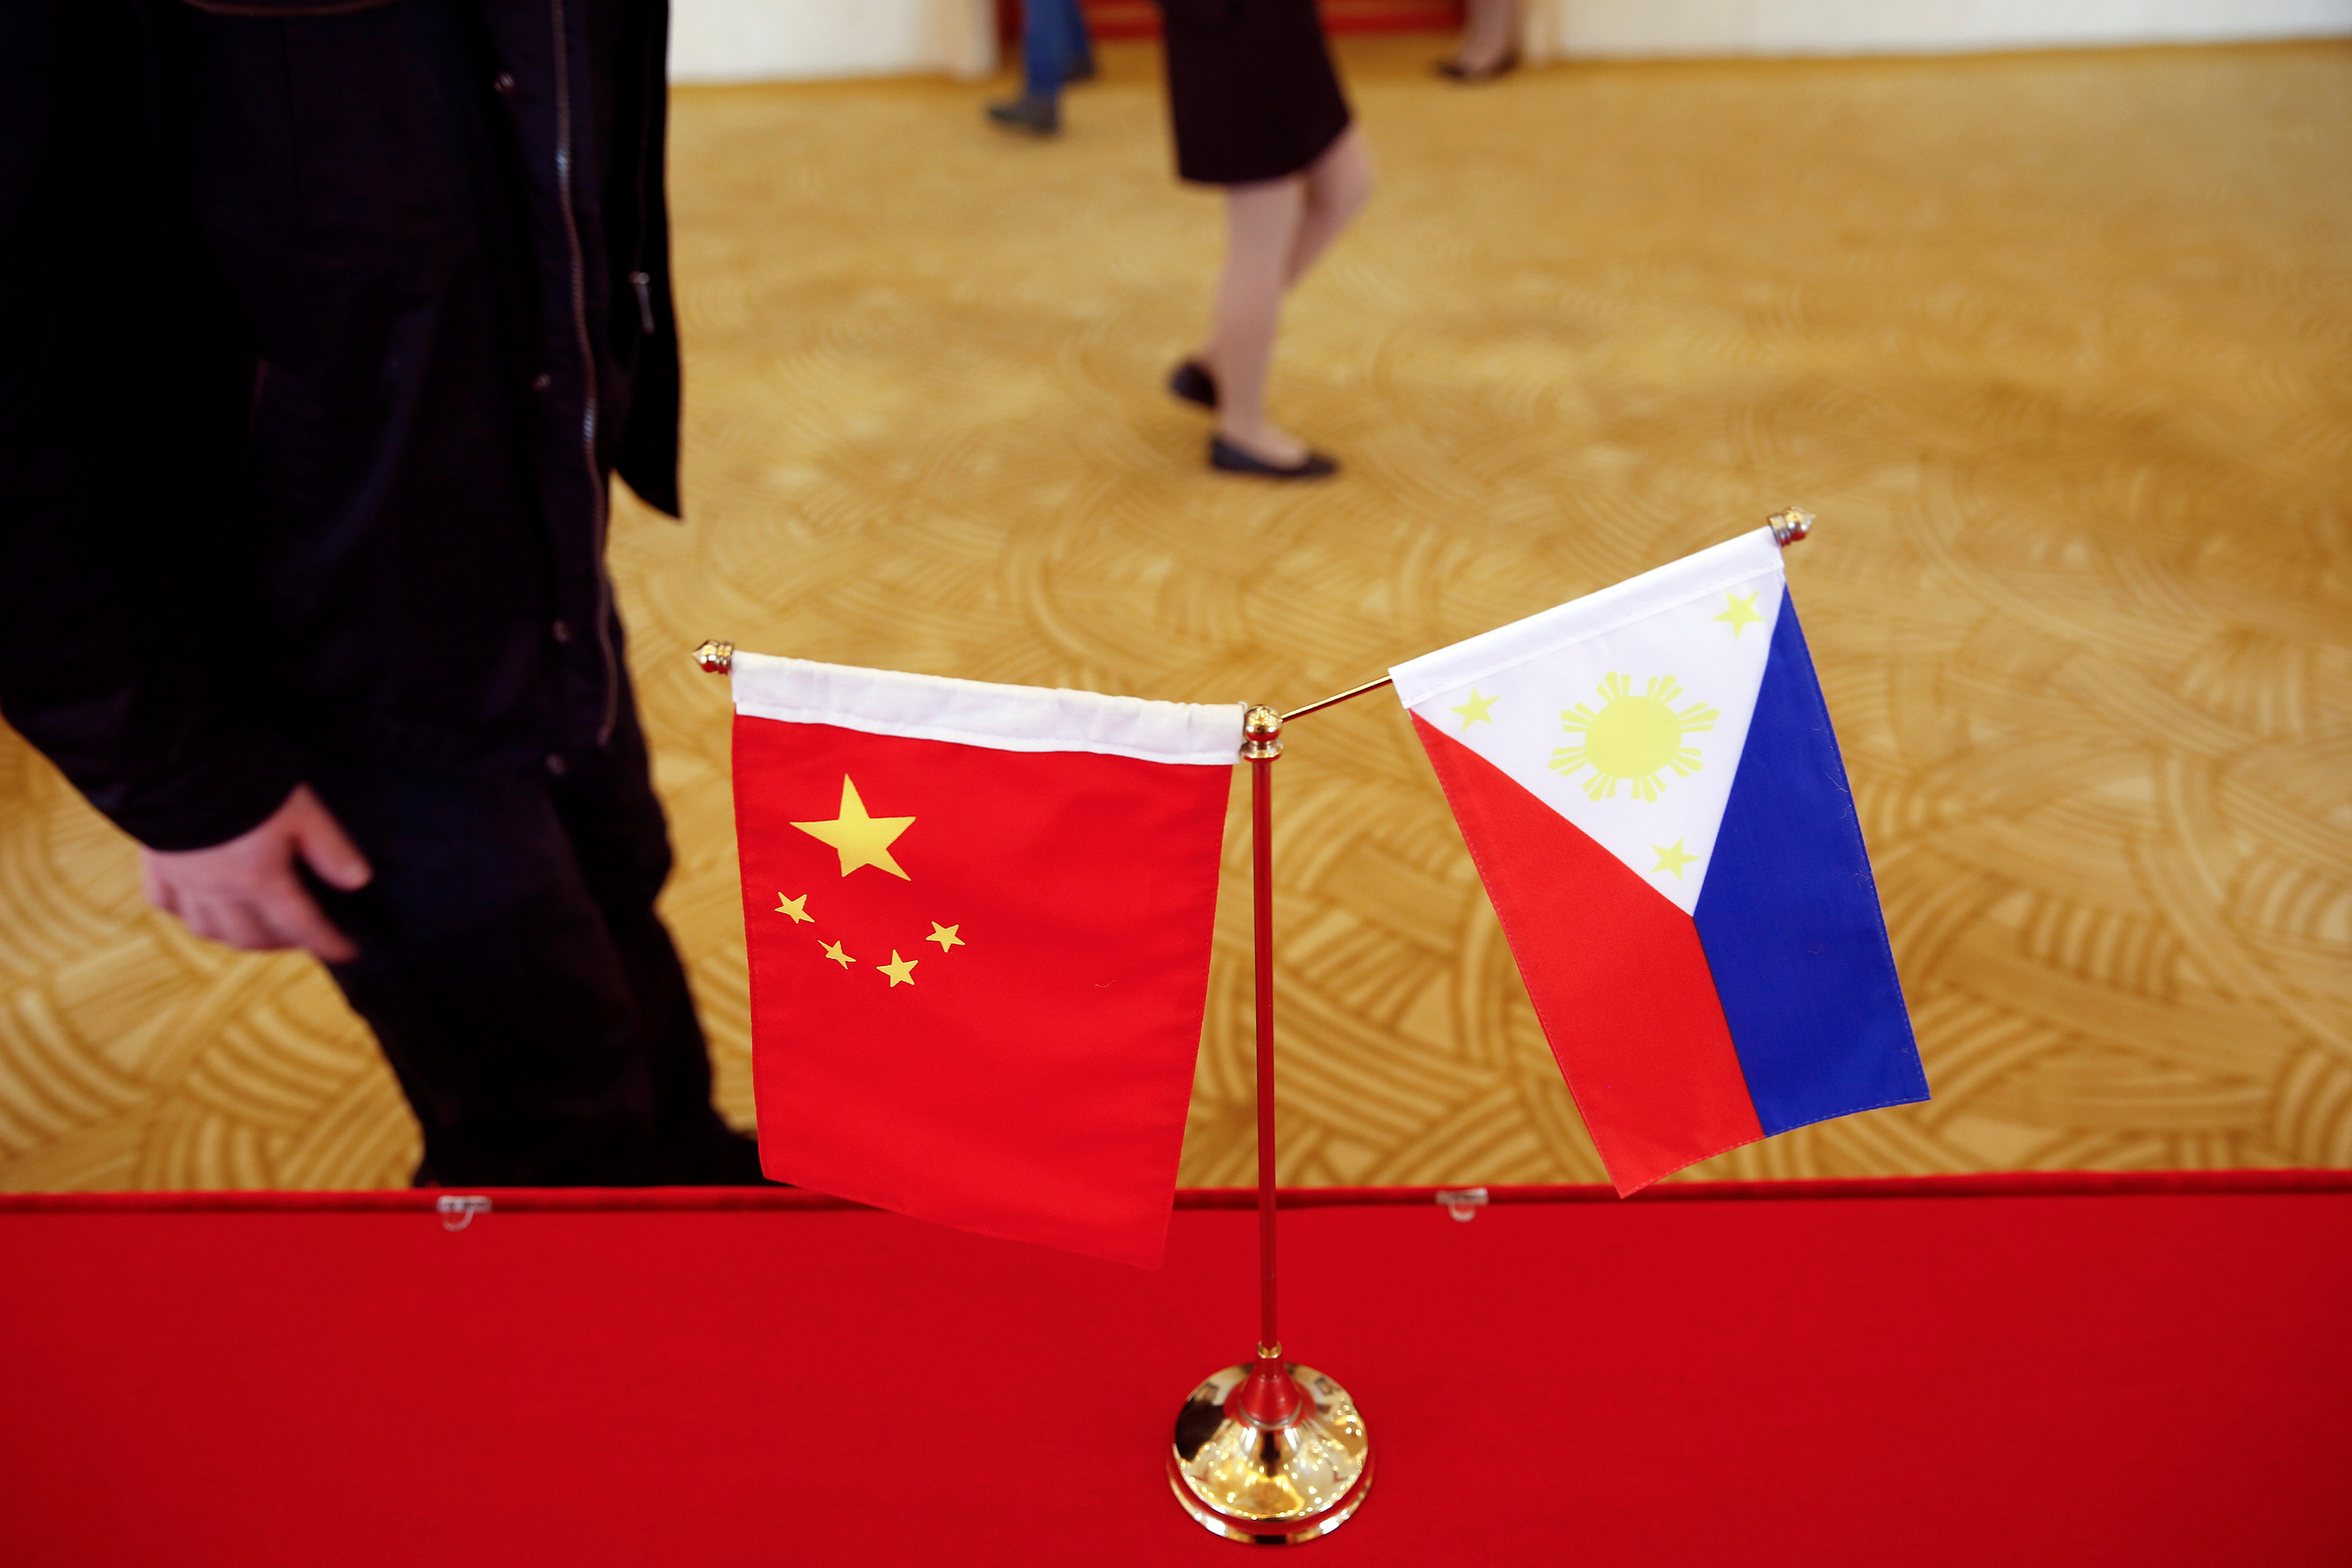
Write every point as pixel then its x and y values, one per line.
pixel 1624 710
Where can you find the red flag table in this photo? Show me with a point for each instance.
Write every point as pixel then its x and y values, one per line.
pixel 2014 1370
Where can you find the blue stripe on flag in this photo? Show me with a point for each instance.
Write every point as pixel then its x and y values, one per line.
pixel 1790 918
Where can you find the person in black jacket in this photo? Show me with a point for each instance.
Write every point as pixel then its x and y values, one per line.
pixel 323 327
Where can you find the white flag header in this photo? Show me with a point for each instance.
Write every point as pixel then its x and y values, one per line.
pixel 983 713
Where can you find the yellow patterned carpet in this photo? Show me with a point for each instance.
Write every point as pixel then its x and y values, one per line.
pixel 2057 347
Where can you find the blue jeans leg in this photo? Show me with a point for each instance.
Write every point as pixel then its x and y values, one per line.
pixel 1054 45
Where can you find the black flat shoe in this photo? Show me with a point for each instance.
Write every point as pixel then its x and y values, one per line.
pixel 1454 70
pixel 1033 115
pixel 1233 460
pixel 1191 382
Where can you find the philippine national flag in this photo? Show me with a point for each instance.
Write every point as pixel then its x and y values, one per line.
pixel 1648 783
pixel 978 922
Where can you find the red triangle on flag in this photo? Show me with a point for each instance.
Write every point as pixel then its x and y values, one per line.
pixel 1616 974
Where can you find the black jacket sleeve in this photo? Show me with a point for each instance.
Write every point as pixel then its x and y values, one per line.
pixel 119 430
pixel 638 218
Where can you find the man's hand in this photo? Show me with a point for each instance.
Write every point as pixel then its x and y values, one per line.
pixel 245 892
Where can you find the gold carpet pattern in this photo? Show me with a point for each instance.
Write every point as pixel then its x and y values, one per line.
pixel 2056 346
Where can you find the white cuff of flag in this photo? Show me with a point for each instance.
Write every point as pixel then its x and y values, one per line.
pixel 982 713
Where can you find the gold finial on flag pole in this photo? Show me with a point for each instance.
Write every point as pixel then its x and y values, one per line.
pixel 1789 525
pixel 1268 1451
pixel 1262 734
pixel 715 657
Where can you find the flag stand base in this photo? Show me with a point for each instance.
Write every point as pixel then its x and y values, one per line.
pixel 1270 1453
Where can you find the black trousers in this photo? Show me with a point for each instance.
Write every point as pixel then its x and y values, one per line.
pixel 517 977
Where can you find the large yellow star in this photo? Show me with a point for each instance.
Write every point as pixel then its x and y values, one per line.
pixel 902 971
pixel 862 840
pixel 1673 860
pixel 832 950
pixel 796 908
pixel 946 936
pixel 1741 614
pixel 1475 711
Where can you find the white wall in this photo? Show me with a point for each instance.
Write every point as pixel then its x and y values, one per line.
pixel 793 40
pixel 1560 29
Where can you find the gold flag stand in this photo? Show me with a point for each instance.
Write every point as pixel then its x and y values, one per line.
pixel 1268 1451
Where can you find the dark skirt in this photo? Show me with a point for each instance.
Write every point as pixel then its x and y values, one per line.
pixel 1251 88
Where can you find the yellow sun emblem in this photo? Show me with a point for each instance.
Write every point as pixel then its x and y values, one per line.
pixel 1632 739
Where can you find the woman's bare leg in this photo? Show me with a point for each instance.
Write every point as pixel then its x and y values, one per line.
pixel 1261 223
pixel 1338 184
pixel 1489 32
pixel 1275 231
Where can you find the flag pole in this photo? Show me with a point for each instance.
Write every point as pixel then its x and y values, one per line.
pixel 1268 1451
pixel 1335 702
pixel 1261 744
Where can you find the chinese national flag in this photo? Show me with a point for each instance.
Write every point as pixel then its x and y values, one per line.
pixel 979 922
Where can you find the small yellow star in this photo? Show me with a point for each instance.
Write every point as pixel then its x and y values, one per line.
pixel 862 840
pixel 1673 860
pixel 946 936
pixel 796 908
pixel 902 971
pixel 1475 711
pixel 1739 613
pixel 832 950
